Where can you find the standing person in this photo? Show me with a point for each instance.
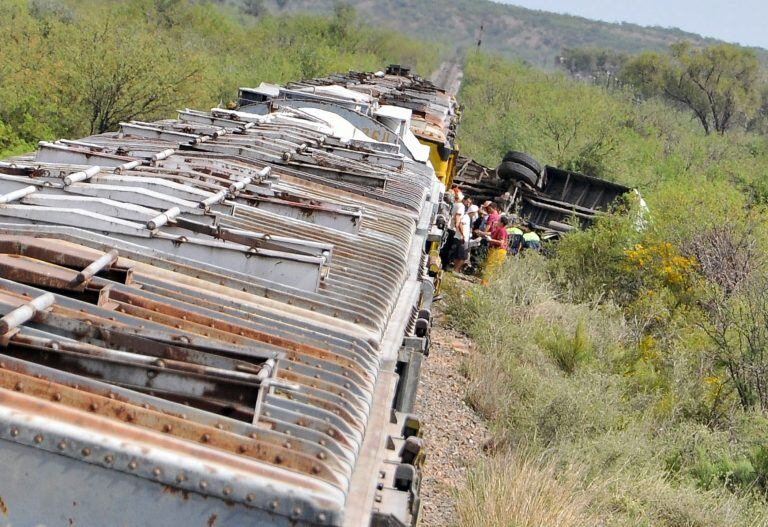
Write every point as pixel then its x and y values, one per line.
pixel 478 247
pixel 493 217
pixel 463 234
pixel 482 218
pixel 497 251
pixel 456 193
pixel 474 214
pixel 458 209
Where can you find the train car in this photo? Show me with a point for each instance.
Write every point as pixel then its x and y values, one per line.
pixel 219 319
pixel 392 106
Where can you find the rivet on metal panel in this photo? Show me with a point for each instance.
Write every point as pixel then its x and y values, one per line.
pixel 19 386
pixel 14 432
pixel 181 478
pixel 250 497
pixel 38 439
pixel 274 505
pixel 279 459
pixel 93 407
pixel 156 472
pixel 203 484
pixel 227 491
pixel 109 459
pixel 62 445
pixel 167 428
pixel 322 517
pixel 132 465
pixel 205 438
pixel 56 397
pixel 86 452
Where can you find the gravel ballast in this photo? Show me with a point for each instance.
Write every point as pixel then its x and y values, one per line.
pixel 454 434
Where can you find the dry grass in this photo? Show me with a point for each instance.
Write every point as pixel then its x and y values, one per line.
pixel 515 491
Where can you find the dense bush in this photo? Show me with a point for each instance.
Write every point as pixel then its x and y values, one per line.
pixel 637 351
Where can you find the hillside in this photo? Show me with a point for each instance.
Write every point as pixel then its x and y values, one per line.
pixel 515 32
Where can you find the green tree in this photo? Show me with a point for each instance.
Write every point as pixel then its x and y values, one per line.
pixel 719 83
pixel 125 74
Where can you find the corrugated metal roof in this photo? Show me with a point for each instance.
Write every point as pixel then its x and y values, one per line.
pixel 216 304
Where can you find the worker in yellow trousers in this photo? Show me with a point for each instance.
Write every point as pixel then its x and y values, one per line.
pixel 497 252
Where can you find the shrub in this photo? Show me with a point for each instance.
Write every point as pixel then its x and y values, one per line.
pixel 568 352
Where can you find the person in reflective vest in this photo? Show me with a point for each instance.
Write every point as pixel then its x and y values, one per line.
pixel 515 236
pixel 531 240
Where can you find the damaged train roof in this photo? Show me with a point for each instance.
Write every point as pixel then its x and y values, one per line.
pixel 216 304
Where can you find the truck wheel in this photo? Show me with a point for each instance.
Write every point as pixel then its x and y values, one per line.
pixel 510 170
pixel 523 159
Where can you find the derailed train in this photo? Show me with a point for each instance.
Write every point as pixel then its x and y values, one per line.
pixel 219 319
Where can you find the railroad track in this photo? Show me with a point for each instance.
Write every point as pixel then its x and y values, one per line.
pixel 448 76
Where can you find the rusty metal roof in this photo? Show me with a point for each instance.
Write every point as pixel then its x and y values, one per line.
pixel 215 304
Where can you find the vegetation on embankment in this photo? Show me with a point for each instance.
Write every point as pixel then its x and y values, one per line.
pixel 69 68
pixel 625 375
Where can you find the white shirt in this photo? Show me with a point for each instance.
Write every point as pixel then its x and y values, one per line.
pixel 464 230
pixel 457 209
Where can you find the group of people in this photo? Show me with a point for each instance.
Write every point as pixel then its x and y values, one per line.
pixel 481 236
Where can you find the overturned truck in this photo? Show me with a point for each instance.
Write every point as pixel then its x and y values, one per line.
pixel 219 319
pixel 552 199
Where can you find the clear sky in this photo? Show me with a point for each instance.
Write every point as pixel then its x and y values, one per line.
pixel 740 21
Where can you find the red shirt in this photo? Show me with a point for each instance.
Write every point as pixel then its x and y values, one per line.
pixel 499 233
pixel 492 220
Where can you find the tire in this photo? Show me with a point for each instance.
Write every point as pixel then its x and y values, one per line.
pixel 509 170
pixel 523 159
